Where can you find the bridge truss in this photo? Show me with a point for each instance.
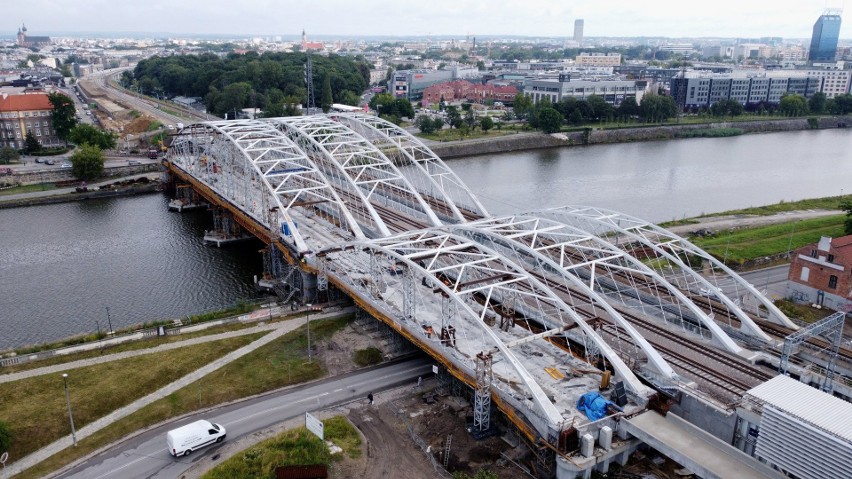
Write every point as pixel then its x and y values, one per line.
pixel 542 294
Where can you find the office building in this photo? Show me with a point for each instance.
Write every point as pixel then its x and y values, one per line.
pixel 597 60
pixel 578 31
pixel 695 90
pixel 612 91
pixel 824 38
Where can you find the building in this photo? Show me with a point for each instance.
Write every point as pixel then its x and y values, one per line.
pixel 612 91
pixel 677 48
pixel 29 112
pixel 597 60
pixel 465 90
pixel 836 79
pixel 697 89
pixel 30 41
pixel 820 273
pixel 310 46
pixel 410 84
pixel 824 37
pixel 578 31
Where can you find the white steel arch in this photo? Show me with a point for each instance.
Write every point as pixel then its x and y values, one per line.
pixel 361 172
pixel 475 269
pixel 670 246
pixel 234 158
pixel 430 175
pixel 575 250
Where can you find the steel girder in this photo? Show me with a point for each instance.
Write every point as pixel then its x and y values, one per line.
pixel 298 188
pixel 675 252
pixel 425 170
pixel 361 172
pixel 479 278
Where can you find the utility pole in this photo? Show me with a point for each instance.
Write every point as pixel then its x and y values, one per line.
pixel 68 402
pixel 309 83
pixel 308 306
pixel 109 320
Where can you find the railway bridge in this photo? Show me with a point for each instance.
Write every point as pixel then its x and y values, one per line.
pixel 531 310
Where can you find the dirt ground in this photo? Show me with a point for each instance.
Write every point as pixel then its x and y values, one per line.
pixel 721 223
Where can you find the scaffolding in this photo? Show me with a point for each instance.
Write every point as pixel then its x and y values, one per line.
pixel 482 396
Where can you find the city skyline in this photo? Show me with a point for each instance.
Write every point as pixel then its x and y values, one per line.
pixel 535 18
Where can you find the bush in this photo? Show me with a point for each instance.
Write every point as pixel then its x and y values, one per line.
pixel 6 437
pixel 709 133
pixel 51 151
pixel 368 357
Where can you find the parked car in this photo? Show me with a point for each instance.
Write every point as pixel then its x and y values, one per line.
pixel 5 171
pixel 39 160
pixel 49 162
pixel 134 162
pixel 65 164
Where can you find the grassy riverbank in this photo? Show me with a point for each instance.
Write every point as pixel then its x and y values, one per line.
pixel 280 363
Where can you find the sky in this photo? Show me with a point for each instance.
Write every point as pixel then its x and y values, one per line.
pixel 533 18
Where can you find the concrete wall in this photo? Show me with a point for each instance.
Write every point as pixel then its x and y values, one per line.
pixel 720 424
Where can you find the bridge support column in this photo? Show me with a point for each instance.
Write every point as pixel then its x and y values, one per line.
pixel 482 396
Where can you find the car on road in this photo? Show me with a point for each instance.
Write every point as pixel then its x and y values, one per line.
pixel 134 162
pixel 49 162
pixel 185 439
pixel 65 164
pixel 39 160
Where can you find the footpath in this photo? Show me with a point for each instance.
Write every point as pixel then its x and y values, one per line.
pixel 721 223
pixel 276 330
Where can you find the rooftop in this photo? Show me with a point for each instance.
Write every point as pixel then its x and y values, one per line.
pixel 24 102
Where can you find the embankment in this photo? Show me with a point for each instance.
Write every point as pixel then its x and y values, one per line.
pixel 594 136
pixel 134 189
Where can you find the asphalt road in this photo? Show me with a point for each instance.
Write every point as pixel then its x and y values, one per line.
pixel 145 456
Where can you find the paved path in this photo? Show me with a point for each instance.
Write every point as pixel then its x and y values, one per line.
pixel 721 223
pixel 276 331
pixel 129 354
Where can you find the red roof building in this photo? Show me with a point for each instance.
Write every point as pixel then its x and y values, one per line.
pixel 821 273
pixel 465 90
pixel 20 114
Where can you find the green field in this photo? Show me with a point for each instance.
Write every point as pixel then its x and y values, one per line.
pixel 739 246
pixel 280 363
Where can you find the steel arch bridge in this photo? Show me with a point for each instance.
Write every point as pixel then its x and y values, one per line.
pixel 364 203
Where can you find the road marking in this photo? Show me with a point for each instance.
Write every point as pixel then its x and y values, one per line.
pixel 108 473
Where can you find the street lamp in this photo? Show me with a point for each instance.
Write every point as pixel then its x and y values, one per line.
pixel 109 321
pixel 68 402
pixel 309 330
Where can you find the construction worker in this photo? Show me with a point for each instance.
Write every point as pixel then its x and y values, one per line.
pixel 370 398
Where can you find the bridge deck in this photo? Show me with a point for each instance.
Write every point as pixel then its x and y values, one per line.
pixel 695 449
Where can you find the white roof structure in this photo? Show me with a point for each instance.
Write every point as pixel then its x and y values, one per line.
pixel 810 405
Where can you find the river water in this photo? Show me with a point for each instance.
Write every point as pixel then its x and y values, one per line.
pixel 62 265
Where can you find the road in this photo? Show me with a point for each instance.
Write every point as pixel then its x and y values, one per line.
pixel 145 456
pixel 771 280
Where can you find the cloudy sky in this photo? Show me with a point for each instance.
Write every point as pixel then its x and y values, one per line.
pixel 672 18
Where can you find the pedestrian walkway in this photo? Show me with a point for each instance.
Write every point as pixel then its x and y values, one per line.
pixel 276 331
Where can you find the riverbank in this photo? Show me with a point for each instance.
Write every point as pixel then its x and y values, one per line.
pixel 129 186
pixel 628 134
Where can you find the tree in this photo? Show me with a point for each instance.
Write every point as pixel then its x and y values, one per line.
pixel 438 123
pixel 424 123
pixel 628 108
pixel 486 123
pixel 63 115
pixel 601 110
pixel 846 205
pixel 8 155
pixel 725 107
pixel 470 118
pixel 657 108
pixel 326 94
pixel 454 117
pixel 817 103
pixel 793 105
pixel 87 163
pixel 549 120
pixel 31 144
pixel 522 105
pixel 84 133
pixel 6 437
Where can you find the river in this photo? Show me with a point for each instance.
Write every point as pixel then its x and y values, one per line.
pixel 62 265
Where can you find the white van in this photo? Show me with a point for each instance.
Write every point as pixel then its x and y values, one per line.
pixel 185 439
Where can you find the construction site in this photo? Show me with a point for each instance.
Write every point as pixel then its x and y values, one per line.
pixel 576 334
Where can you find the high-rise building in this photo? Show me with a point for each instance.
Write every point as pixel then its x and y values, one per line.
pixel 824 38
pixel 578 30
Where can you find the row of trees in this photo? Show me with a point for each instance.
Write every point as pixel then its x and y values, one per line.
pixel 464 120
pixel 273 82
pixel 87 162
pixel 550 117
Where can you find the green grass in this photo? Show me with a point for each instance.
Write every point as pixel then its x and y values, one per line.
pixel 453 134
pixel 35 407
pixel 709 133
pixel 801 311
pixel 290 448
pixel 27 189
pixel 826 203
pixel 368 356
pixel 280 363
pixel 750 243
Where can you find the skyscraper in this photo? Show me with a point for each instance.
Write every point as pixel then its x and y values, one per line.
pixel 824 38
pixel 578 30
